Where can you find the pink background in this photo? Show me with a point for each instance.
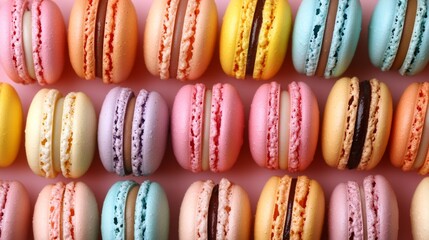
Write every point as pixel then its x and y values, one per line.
pixel 246 173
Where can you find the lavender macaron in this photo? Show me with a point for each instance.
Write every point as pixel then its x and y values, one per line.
pixel 132 131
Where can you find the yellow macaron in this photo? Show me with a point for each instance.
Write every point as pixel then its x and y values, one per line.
pixel 254 37
pixel 10 124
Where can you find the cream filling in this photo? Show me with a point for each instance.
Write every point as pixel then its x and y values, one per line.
pixel 206 131
pixel 284 129
pixel 424 144
pixel 27 43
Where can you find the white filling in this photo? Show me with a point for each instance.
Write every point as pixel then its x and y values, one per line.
pixel 284 129
pixel 206 130
pixel 27 43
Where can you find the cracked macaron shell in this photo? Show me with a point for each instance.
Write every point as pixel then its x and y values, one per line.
pixel 345 36
pixel 337 135
pixel 226 126
pixel 378 217
pixel 119 45
pixel 192 51
pixel 48 49
pixel 15 210
pixel 151 210
pixel 11 124
pixel 57 201
pixel 409 141
pixel 307 210
pixel 235 213
pixel 148 132
pixel 272 40
pixel 301 118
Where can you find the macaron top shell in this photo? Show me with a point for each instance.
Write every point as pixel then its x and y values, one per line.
pixel 47 42
pixel 179 38
pixel 269 46
pixel 119 42
pixel 312 28
pixel 11 116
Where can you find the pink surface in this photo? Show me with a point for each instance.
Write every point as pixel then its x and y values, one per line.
pixel 245 172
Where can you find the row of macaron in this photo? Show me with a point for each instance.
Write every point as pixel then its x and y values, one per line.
pixel 207 128
pixel 180 38
pixel 288 208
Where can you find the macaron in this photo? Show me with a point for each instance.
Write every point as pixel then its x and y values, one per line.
pixel 367 211
pixel 179 38
pixel 15 210
pixel 398 36
pixel 134 211
pixel 254 38
pixel 356 123
pixel 11 124
pixel 419 211
pixel 325 36
pixel 132 131
pixel 33 40
pixel 283 126
pixel 290 208
pixel 102 39
pixel 207 127
pixel 66 211
pixel 60 134
pixel 409 143
pixel 215 211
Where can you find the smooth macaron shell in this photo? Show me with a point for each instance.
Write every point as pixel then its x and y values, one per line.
pixel 11 124
pixel 150 131
pixel 378 213
pixel 119 43
pixel 15 209
pixel 48 47
pixel 57 203
pixel 272 40
pixel 274 202
pixel 409 143
pixel 192 57
pixel 226 109
pixel 393 34
pixel 419 212
pixel 339 117
pixel 305 134
pixel 150 208
pixel 308 38
pixel 235 213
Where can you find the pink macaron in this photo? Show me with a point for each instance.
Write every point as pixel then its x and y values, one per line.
pixel 132 131
pixel 14 210
pixel 207 127
pixel 283 126
pixel 33 36
pixel 369 211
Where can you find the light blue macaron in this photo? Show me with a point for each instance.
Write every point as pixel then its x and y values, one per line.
pixel 151 215
pixel 385 34
pixel 309 33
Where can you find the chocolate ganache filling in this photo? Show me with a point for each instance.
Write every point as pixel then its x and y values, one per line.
pixel 212 214
pixel 177 37
pixel 361 125
pixel 254 36
pixel 99 37
pixel 288 221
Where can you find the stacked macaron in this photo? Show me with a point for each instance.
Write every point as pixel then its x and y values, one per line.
pixel 60 133
pixel 356 124
pixel 132 131
pixel 179 38
pixel 398 35
pixel 33 34
pixel 284 126
pixel 254 38
pixel 207 127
